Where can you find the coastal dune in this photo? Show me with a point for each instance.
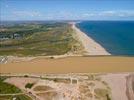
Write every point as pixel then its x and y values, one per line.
pixel 90 46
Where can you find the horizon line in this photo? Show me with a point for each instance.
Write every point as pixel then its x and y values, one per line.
pixel 66 20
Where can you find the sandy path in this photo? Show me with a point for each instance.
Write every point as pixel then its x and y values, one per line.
pixel 91 47
pixel 71 64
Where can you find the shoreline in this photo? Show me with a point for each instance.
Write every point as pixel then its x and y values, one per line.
pixel 91 47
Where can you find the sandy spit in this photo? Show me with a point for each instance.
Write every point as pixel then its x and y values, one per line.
pixel 91 47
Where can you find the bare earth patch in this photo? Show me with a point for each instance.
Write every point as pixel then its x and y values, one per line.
pixel 86 86
pixel 130 87
pixel 117 83
pixel 21 82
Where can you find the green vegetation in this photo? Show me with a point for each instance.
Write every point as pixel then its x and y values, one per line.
pixel 29 85
pixel 36 39
pixel 17 97
pixel 6 88
pixel 2 78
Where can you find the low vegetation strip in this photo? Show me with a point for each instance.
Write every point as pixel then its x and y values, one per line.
pixel 36 39
pixel 11 92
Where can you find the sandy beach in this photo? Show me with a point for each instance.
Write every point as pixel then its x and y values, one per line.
pixel 91 47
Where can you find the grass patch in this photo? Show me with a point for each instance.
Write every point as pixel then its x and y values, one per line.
pixel 6 88
pixel 2 78
pixel 29 85
pixel 18 97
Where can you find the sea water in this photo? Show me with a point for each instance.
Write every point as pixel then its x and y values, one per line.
pixel 117 37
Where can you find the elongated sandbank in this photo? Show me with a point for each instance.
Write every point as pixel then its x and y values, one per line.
pixel 91 47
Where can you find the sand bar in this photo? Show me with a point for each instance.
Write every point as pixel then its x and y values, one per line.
pixel 72 65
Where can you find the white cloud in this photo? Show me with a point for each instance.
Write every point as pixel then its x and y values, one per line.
pixel 27 13
pixel 71 15
pixel 88 14
pixel 107 13
pixel 110 13
pixel 128 13
pixel 120 13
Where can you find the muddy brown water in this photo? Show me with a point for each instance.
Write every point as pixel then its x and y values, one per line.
pixel 71 65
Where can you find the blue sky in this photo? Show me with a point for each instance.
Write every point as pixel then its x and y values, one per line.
pixel 67 9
